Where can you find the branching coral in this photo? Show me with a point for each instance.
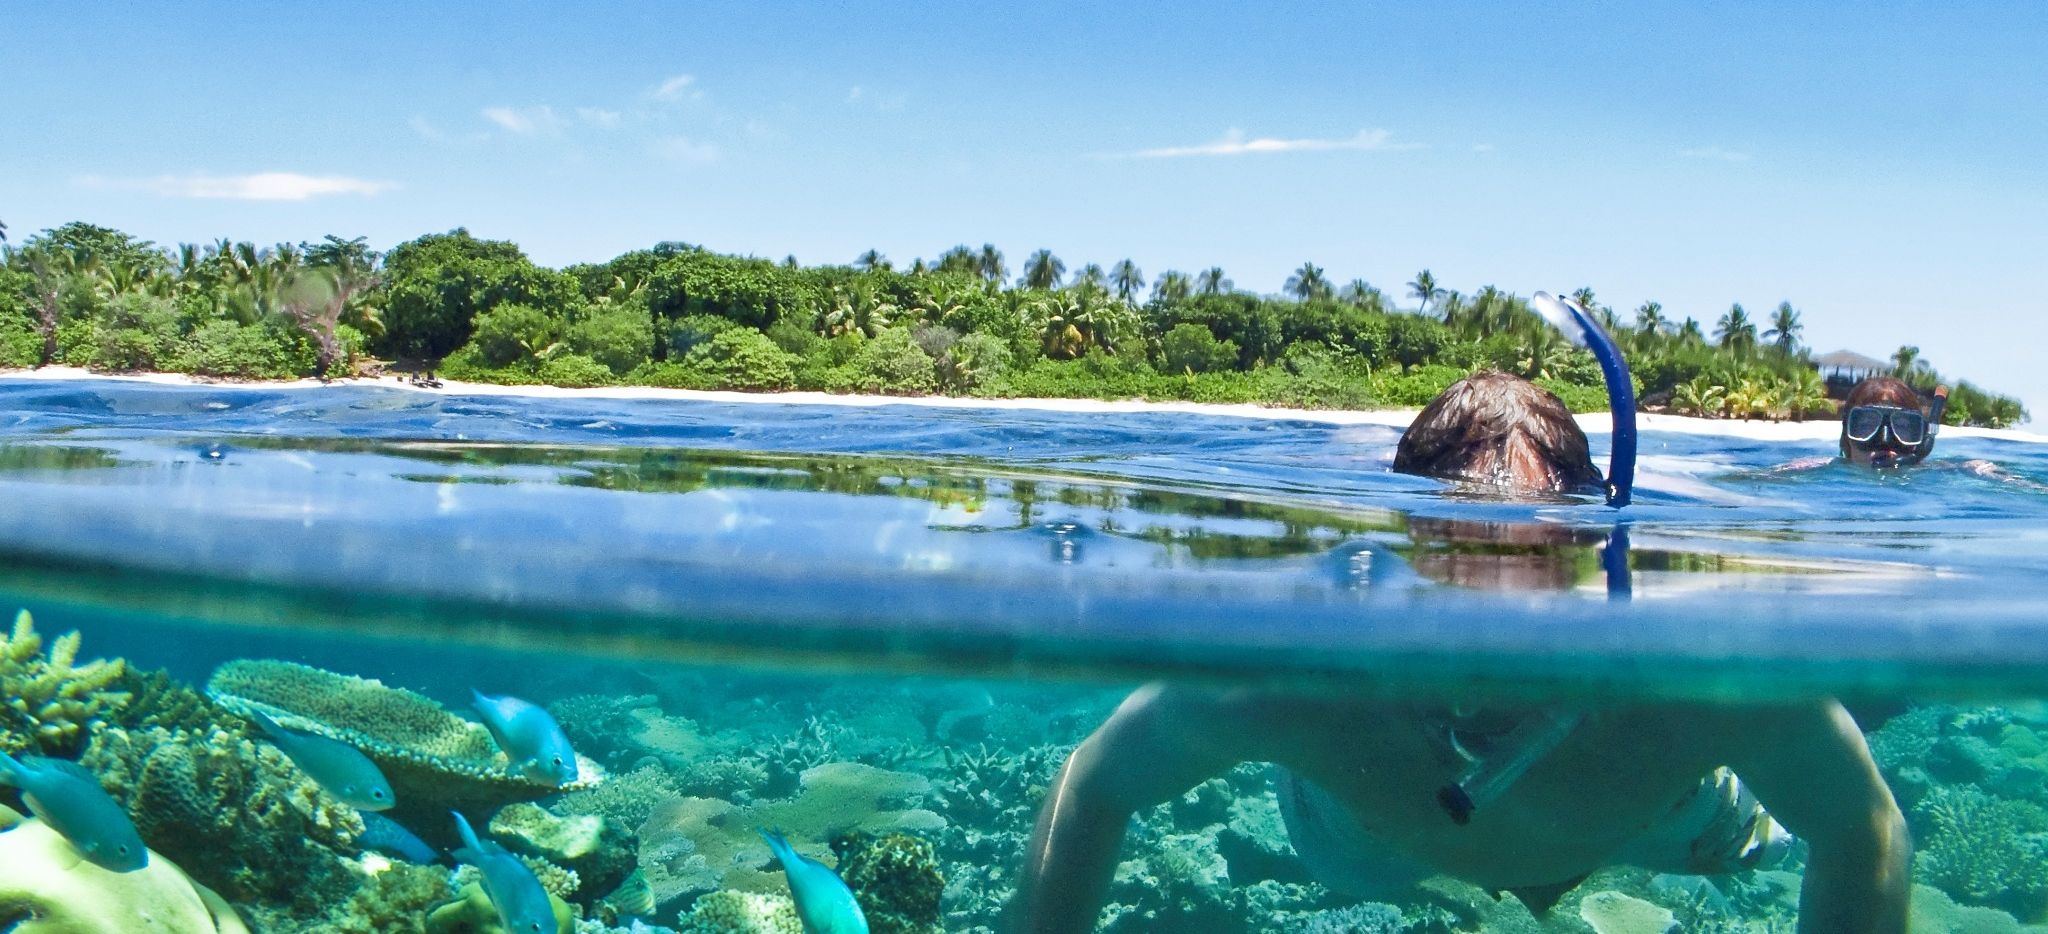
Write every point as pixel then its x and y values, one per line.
pixel 235 813
pixel 1984 850
pixel 435 760
pixel 48 705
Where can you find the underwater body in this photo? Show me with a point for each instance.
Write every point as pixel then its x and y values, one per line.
pixel 879 631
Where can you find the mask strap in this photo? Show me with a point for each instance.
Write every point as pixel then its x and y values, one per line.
pixel 1580 328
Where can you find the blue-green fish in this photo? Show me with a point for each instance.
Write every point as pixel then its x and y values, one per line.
pixel 531 737
pixel 69 799
pixel 523 906
pixel 823 902
pixel 339 768
pixel 385 835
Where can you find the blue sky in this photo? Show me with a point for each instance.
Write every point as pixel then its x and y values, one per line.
pixel 1879 168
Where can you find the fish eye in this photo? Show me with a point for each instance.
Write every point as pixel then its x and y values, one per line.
pixel 558 760
pixel 124 849
pixel 378 794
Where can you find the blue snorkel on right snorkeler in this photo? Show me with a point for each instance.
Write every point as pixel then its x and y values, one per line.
pixel 1580 328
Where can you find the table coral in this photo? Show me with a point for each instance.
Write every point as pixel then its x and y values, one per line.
pixel 436 761
pixel 49 704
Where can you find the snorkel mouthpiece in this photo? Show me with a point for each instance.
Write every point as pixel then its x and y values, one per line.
pixel 1580 328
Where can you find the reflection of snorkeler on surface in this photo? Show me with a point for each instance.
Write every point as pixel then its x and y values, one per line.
pixel 1378 793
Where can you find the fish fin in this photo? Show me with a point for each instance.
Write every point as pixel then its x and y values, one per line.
pixel 266 724
pixel 779 845
pixel 65 766
pixel 469 840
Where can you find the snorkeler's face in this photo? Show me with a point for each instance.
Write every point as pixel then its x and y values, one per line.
pixel 1883 436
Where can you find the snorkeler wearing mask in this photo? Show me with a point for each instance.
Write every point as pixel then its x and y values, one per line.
pixel 1380 793
pixel 1885 425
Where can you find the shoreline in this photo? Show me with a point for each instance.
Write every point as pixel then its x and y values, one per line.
pixel 1597 422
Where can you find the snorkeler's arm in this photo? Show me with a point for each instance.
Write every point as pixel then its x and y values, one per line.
pixel 1809 767
pixel 1160 742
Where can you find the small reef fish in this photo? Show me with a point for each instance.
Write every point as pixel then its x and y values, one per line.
pixel 385 835
pixel 69 799
pixel 531 737
pixel 823 902
pixel 522 904
pixel 336 766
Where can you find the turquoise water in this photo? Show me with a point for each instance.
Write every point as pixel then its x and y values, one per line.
pixel 902 618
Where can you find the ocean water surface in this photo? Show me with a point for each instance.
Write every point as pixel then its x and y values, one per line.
pixel 883 629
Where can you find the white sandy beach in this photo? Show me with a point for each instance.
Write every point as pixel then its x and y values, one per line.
pixel 1825 430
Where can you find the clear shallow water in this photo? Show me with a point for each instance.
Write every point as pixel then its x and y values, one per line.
pixel 962 594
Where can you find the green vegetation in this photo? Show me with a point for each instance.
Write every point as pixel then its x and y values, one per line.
pixel 680 315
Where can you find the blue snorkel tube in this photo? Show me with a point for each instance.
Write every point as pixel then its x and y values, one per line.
pixel 1580 328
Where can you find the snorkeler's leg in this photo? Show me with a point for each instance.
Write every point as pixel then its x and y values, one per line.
pixel 1809 766
pixel 1160 742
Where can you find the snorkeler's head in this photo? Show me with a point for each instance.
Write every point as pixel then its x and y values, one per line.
pixel 1500 430
pixel 1884 424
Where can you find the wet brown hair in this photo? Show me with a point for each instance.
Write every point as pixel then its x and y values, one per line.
pixel 1882 390
pixel 1498 429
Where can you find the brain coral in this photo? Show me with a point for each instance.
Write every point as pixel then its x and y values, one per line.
pixel 436 761
pixel 49 705
pixel 236 814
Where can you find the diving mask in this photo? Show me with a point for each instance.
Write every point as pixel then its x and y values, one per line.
pixel 1907 427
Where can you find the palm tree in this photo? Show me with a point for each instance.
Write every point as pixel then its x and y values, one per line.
pixel 1360 293
pixel 962 259
pixel 1043 270
pixel 1584 296
pixel 1308 282
pixel 353 266
pixel 1906 360
pixel 1172 286
pixel 1785 328
pixel 1212 282
pixel 1424 287
pixel 1735 331
pixel 1690 334
pixel 1805 393
pixel 991 263
pixel 1650 318
pixel 1128 280
pixel 857 309
pixel 871 261
pixel 1700 397
pixel 1091 278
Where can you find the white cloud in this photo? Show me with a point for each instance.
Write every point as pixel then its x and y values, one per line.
pixel 681 149
pixel 1483 147
pixel 525 120
pixel 1715 153
pixel 1234 143
pixel 598 117
pixel 262 186
pixel 680 87
pixel 861 95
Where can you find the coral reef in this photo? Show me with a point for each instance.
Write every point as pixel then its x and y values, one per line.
pixel 48 705
pixel 1984 850
pixel 895 878
pixel 436 761
pixel 237 814
pixel 600 853
pixel 690 845
pixel 741 913
pixel 45 888
pixel 158 700
pixel 1620 913
pixel 472 913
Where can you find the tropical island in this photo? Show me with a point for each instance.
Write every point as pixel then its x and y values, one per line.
pixel 682 316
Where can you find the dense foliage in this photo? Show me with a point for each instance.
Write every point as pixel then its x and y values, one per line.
pixel 680 315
